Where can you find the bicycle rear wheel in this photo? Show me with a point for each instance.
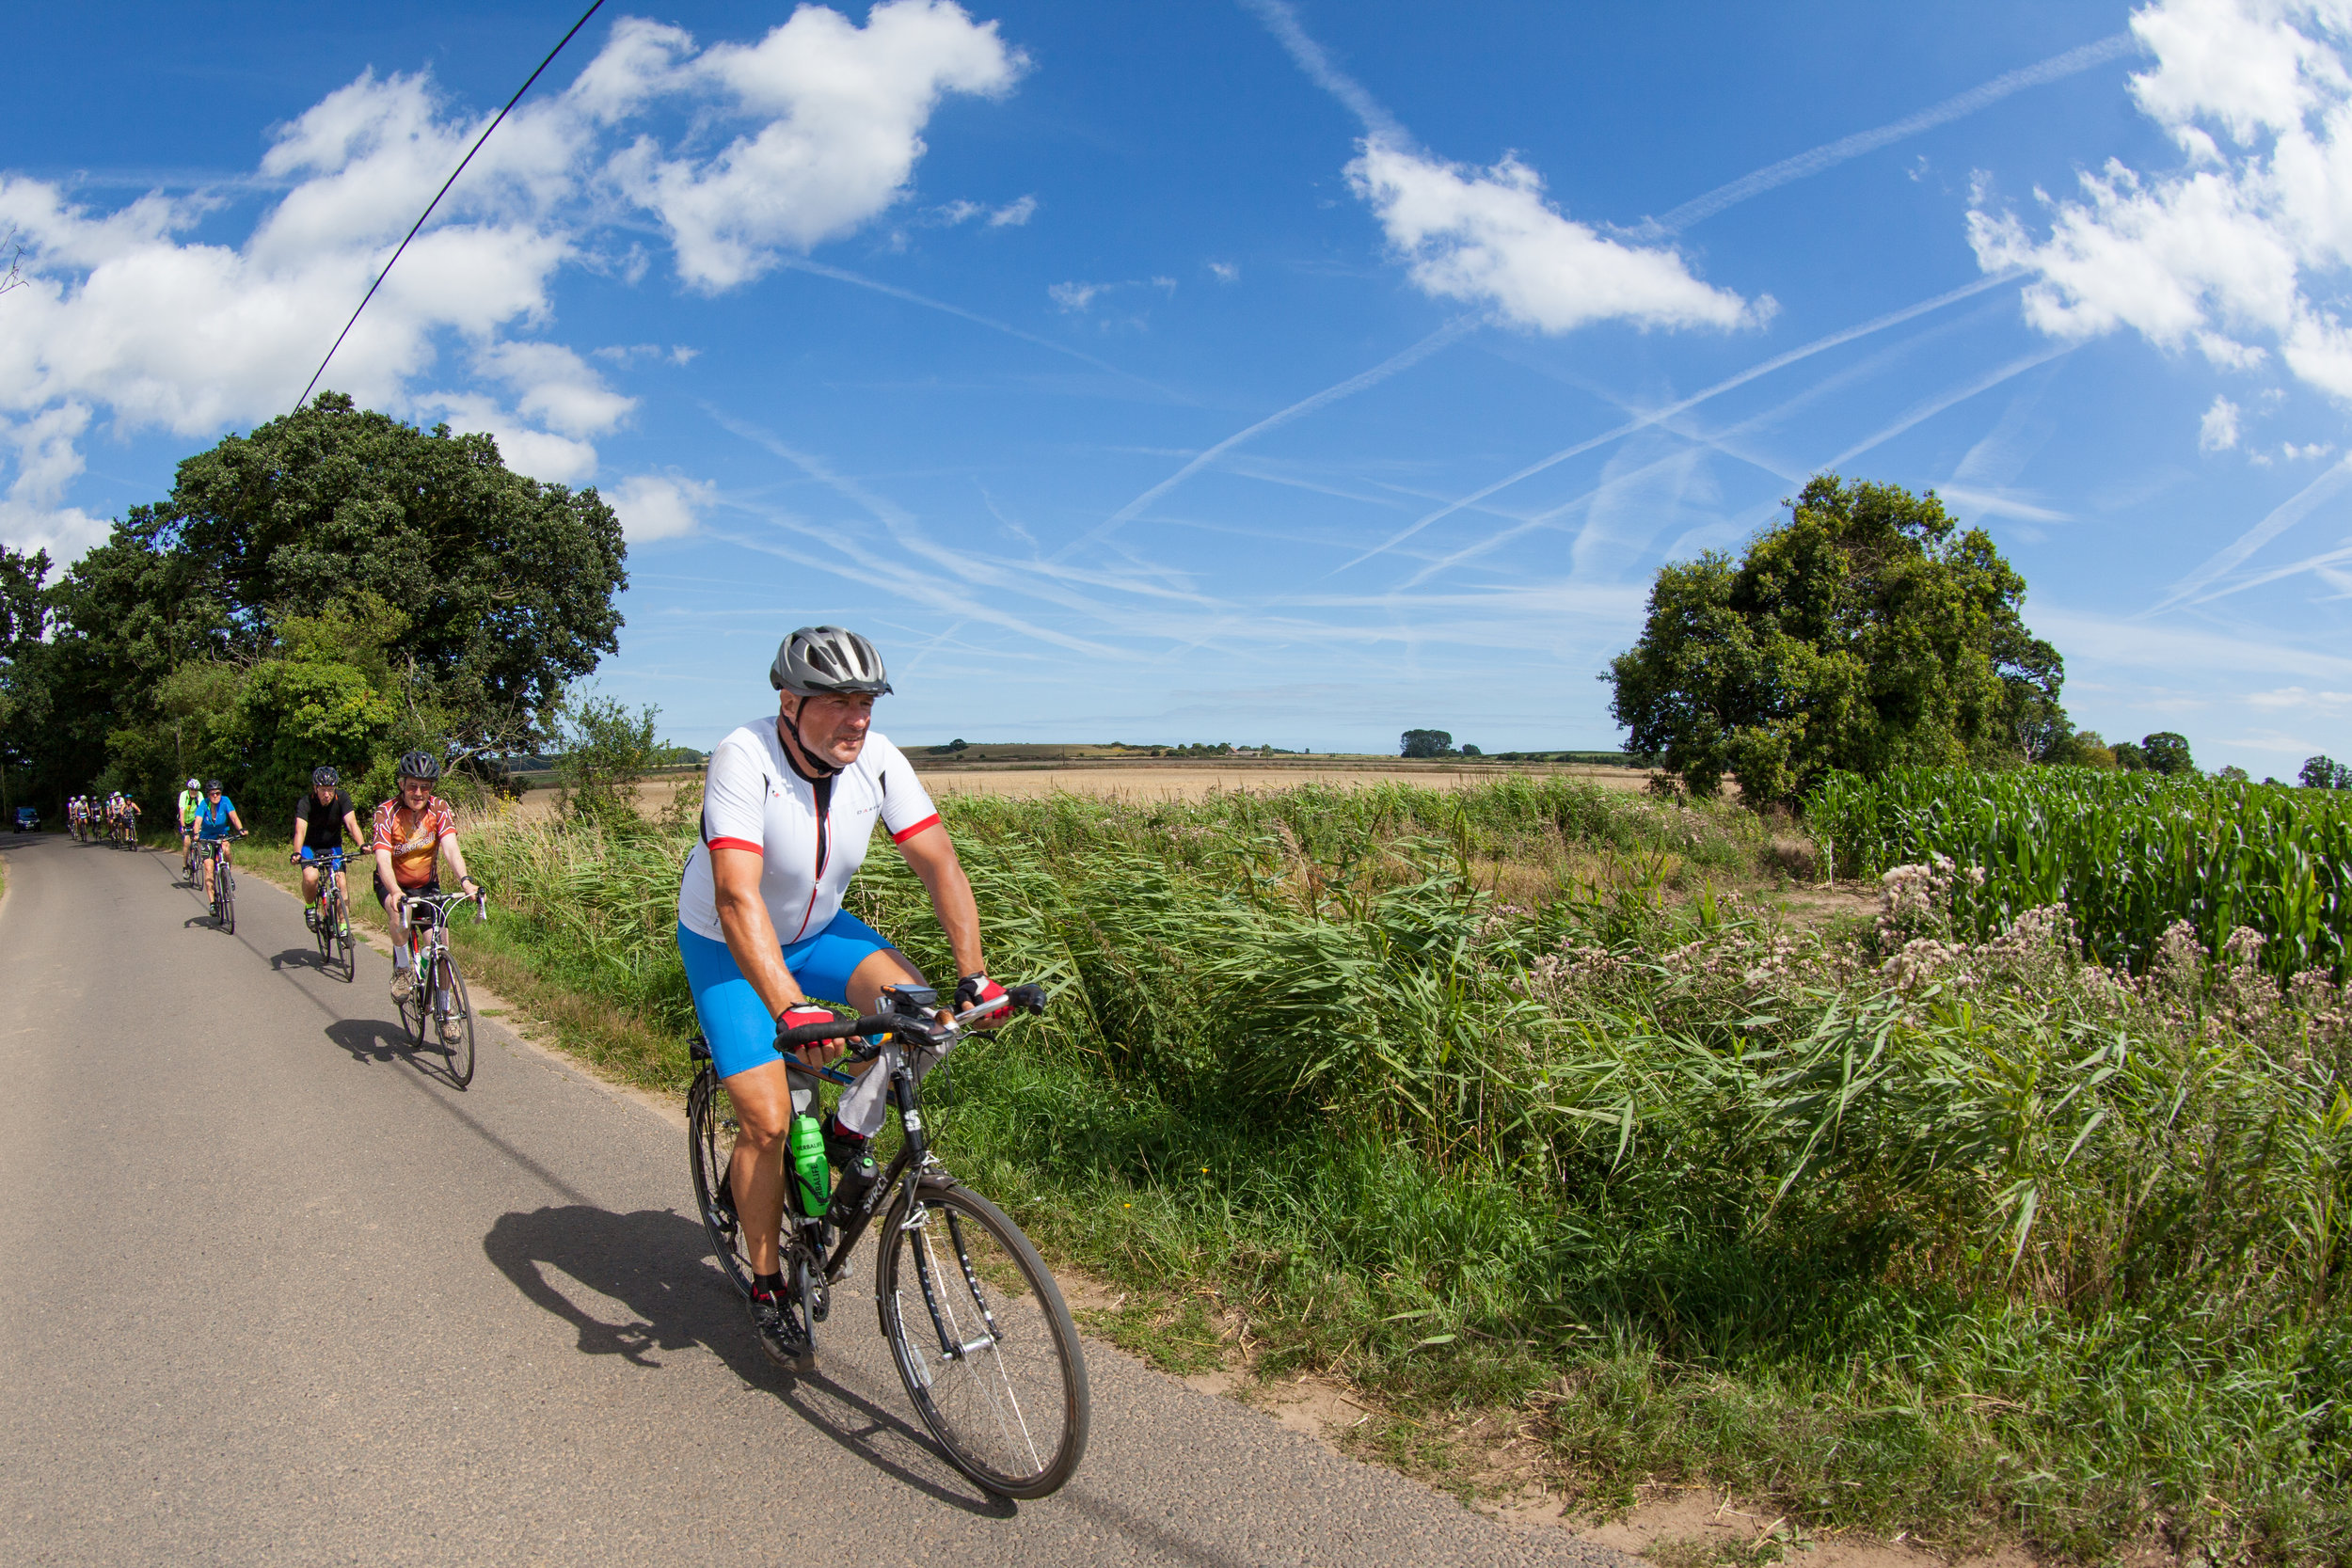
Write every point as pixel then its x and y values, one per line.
pixel 984 1341
pixel 710 1129
pixel 453 1018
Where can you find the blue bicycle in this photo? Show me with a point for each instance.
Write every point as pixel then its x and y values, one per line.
pixel 337 953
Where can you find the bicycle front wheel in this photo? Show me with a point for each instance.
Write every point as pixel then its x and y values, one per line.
pixel 710 1129
pixel 345 958
pixel 984 1341
pixel 416 1008
pixel 227 885
pixel 453 1018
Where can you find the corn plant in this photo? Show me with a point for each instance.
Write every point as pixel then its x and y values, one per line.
pixel 2128 854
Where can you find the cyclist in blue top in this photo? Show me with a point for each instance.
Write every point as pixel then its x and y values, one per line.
pixel 217 822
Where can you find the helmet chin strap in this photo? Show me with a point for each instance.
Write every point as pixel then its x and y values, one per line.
pixel 817 765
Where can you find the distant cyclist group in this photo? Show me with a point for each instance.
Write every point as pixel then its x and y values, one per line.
pixel 409 835
pixel 113 816
pixel 984 1341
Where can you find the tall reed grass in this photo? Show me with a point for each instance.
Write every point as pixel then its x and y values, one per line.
pixel 1963 1231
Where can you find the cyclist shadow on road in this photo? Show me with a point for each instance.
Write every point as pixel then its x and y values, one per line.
pixel 657 1266
pixel 376 1039
pixel 371 1040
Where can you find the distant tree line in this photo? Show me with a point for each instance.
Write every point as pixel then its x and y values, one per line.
pixel 335 587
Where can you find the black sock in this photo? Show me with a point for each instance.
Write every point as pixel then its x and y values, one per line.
pixel 771 1283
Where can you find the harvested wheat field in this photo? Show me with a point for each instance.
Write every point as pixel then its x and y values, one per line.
pixel 1152 782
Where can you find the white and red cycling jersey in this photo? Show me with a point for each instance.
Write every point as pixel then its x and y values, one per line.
pixel 812 832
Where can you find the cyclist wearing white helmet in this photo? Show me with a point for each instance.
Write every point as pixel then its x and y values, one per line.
pixel 788 805
pixel 191 798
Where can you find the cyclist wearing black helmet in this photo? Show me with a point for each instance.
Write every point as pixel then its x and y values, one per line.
pixel 412 831
pixel 790 803
pixel 321 819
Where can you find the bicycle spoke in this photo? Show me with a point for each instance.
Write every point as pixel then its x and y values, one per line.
pixel 990 1356
pixel 979 1338
pixel 711 1129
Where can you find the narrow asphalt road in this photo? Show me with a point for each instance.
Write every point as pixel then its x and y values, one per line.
pixel 270 1292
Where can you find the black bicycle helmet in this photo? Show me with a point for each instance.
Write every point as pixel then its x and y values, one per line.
pixel 420 765
pixel 324 778
pixel 212 785
pixel 819 659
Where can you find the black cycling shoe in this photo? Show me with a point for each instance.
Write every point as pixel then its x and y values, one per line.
pixel 843 1147
pixel 771 1319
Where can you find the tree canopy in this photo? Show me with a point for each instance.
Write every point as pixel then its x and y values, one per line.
pixel 1424 743
pixel 1868 630
pixel 329 587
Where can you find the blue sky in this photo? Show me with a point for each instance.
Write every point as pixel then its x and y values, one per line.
pixel 1257 371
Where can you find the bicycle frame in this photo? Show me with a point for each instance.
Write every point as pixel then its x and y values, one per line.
pixel 331 865
pixel 908 1169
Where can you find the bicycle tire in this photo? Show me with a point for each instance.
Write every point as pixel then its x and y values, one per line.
pixel 459 1049
pixel 227 884
pixel 709 1152
pixel 414 1012
pixel 346 948
pixel 1016 1423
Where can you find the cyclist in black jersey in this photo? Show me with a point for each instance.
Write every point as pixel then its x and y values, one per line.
pixel 321 819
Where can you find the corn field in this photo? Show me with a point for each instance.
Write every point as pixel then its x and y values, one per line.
pixel 2128 854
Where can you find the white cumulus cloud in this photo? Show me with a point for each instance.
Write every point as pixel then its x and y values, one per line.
pixel 2240 252
pixel 1488 237
pixel 658 506
pixel 844 108
pixel 2218 430
pixel 126 321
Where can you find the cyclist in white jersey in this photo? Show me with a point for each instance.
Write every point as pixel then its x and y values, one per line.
pixel 790 803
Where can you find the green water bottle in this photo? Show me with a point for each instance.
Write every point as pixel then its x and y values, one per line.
pixel 812 1178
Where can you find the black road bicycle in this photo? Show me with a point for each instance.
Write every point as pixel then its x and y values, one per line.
pixel 224 884
pixel 337 954
pixel 979 1331
pixel 438 1001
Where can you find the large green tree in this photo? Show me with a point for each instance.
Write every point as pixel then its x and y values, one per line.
pixel 506 585
pixel 1867 630
pixel 332 584
pixel 24 696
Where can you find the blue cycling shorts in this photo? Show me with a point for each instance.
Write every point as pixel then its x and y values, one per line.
pixel 740 1029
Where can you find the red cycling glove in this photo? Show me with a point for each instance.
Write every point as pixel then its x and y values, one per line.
pixel 793 1018
pixel 975 990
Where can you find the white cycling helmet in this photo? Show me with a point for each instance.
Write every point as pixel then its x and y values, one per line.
pixel 193 785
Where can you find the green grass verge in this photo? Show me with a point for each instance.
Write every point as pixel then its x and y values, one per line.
pixel 1493 1102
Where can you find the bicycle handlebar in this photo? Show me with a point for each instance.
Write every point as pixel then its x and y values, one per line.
pixel 1029 999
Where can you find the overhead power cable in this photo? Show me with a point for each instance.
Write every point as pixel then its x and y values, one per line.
pixel 494 124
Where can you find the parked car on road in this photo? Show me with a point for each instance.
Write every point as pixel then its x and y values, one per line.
pixel 27 821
